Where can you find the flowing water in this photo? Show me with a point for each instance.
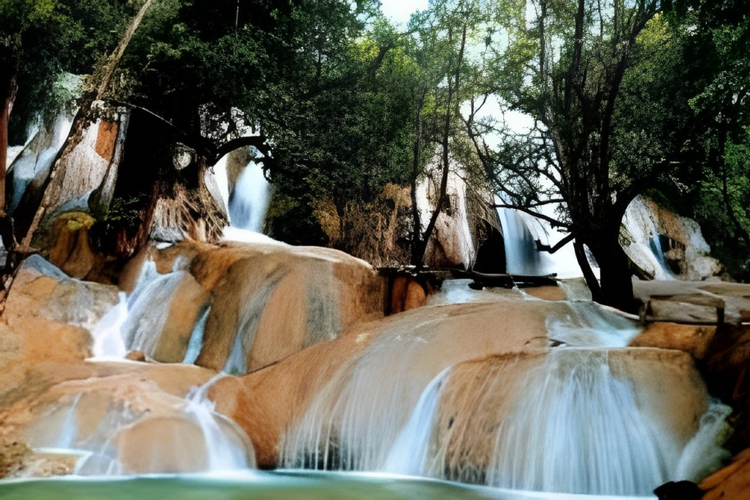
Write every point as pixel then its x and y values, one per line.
pixel 248 202
pixel 640 223
pixel 577 419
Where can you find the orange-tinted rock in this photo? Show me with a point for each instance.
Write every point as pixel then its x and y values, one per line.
pixel 71 251
pixel 731 482
pixel 41 292
pixel 688 338
pixel 106 139
pixel 414 346
pixel 406 293
pixel 186 305
pixel 279 299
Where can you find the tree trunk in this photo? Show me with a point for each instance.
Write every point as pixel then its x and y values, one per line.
pixel 416 245
pixel 615 285
pixel 4 120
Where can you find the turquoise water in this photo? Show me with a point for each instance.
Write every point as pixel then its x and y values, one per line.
pixel 263 485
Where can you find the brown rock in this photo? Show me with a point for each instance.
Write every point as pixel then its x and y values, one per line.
pixel 731 482
pixel 71 251
pixel 688 338
pixel 414 346
pixel 406 293
pixel 279 299
pixel 106 139
pixel 41 294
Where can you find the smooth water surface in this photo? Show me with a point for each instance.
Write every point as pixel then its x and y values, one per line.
pixel 265 485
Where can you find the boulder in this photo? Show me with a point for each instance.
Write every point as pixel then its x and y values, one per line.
pixel 268 301
pixel 361 375
pixel 42 294
pixel 733 481
pixel 71 251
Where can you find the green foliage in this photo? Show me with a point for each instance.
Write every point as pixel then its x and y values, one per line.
pixel 42 39
pixel 122 212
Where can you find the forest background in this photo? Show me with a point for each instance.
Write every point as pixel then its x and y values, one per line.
pixel 349 110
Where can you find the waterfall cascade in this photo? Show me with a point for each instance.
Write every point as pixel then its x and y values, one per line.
pixel 645 247
pixel 520 234
pixel 452 230
pixel 119 432
pixel 35 159
pixel 587 417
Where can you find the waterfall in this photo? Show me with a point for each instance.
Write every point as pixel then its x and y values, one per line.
pixel 586 417
pixel 195 344
pixel 113 433
pixel 576 428
pixel 645 248
pixel 410 452
pixel 520 233
pixel 35 161
pixel 571 422
pixel 108 341
pixel 223 450
pixel 521 255
pixel 136 321
pixel 249 199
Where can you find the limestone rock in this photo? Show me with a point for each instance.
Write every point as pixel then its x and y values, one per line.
pixel 415 346
pixel 269 301
pixel 42 294
pixel 661 243
pixel 71 251
pixel 733 481
pixel 406 293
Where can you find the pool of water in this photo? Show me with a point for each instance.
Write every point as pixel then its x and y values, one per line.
pixel 284 484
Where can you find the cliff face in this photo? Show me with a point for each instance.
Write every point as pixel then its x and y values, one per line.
pixel 664 245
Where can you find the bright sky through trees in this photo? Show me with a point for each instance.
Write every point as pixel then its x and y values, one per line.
pixel 400 10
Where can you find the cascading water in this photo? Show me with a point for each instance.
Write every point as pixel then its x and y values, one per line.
pixel 128 325
pixel 33 164
pixel 249 199
pixel 520 234
pixel 125 439
pixel 222 448
pixel 579 418
pixel 645 247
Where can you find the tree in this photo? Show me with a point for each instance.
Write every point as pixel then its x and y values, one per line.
pixel 565 69
pixel 40 39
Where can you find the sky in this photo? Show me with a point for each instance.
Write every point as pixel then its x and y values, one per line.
pixel 401 10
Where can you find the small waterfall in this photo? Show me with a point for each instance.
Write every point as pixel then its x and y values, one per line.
pixel 113 433
pixel 196 339
pixel 409 452
pixel 576 428
pixel 248 202
pixel 35 161
pixel 521 256
pixel 703 454
pixel 520 233
pixel 570 422
pixel 108 342
pixel 645 248
pixel 223 449
pixel 588 324
pixel 136 321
